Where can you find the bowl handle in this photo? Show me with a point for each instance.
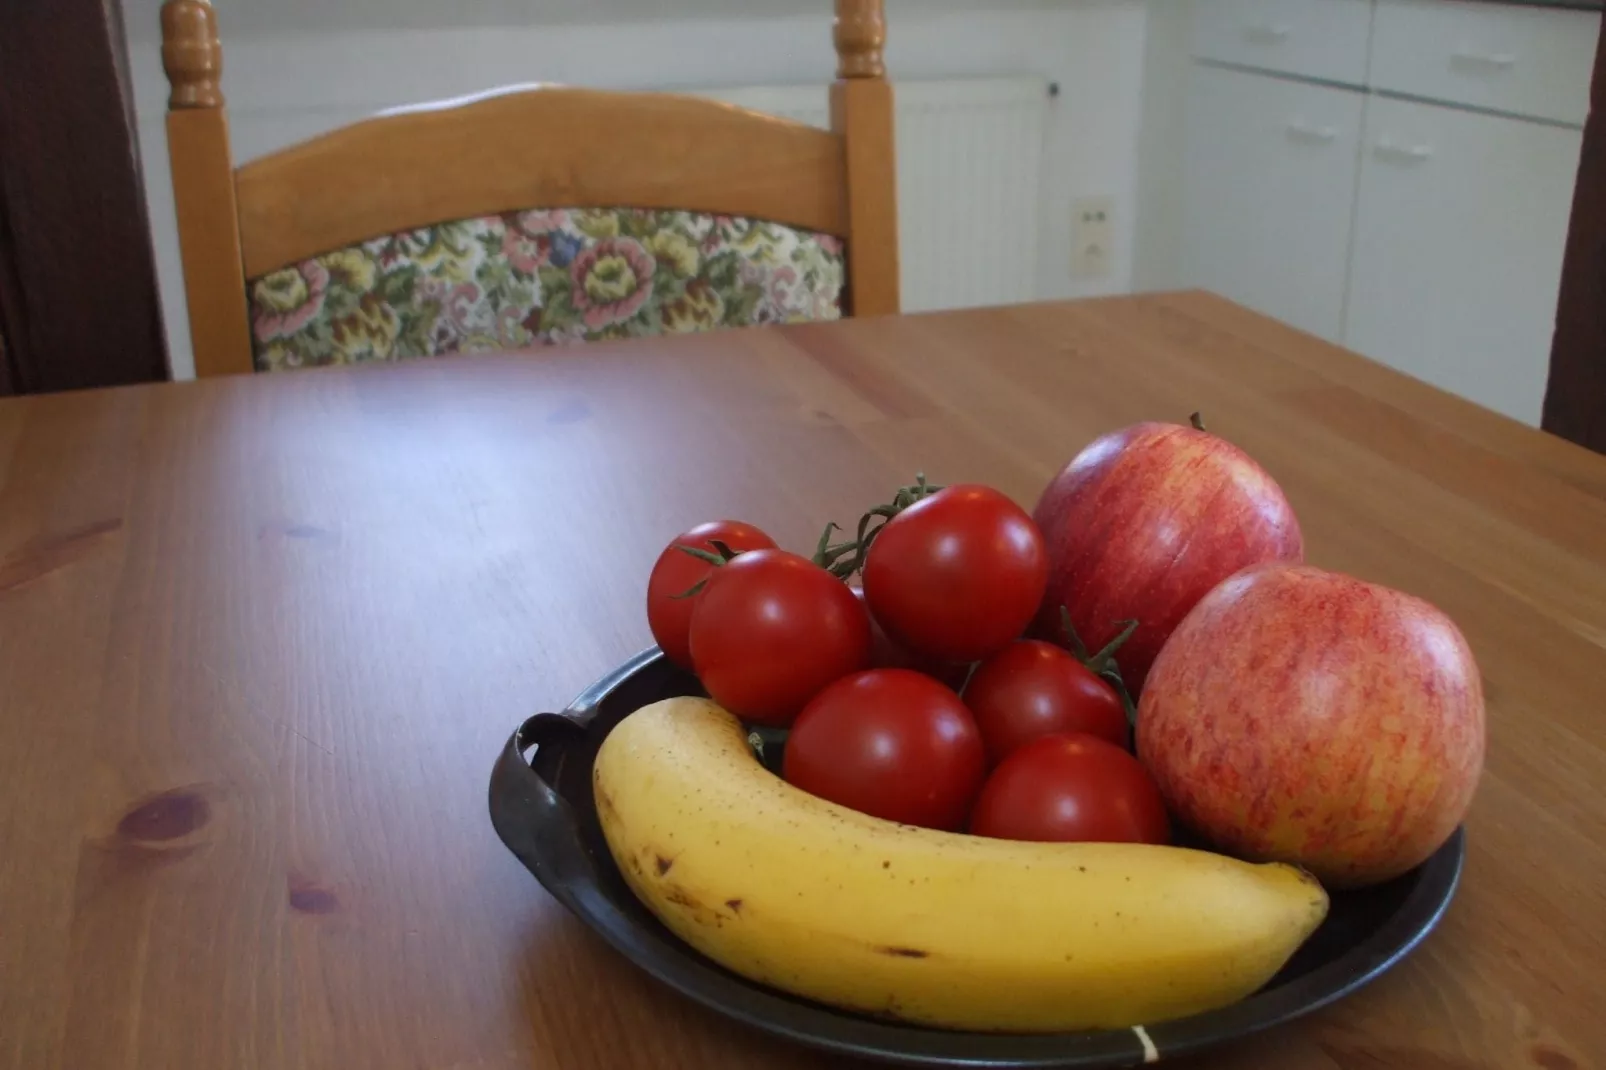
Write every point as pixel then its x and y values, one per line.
pixel 537 823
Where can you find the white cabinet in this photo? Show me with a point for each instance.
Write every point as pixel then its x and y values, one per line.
pixel 1459 231
pixel 1504 57
pixel 1270 179
pixel 1431 240
pixel 1323 39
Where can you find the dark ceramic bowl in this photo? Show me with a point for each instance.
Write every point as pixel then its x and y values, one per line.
pixel 543 811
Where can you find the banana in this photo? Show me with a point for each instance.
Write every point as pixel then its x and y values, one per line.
pixel 926 927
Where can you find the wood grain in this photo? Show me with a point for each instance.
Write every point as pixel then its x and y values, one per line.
pixel 203 190
pixel 861 112
pixel 209 241
pixel 261 639
pixel 583 149
pixel 862 115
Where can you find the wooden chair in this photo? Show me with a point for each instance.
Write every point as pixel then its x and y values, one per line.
pixel 582 214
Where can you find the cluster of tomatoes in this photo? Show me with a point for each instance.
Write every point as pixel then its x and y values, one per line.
pixel 914 698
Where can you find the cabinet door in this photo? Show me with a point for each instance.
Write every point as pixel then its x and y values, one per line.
pixel 1520 59
pixel 1269 186
pixel 1323 39
pixel 1460 227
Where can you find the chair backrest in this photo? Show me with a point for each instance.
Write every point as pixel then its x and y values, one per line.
pixel 575 149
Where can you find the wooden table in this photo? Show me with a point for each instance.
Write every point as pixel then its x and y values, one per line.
pixel 260 640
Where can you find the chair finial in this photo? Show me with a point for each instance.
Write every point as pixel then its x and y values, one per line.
pixel 191 54
pixel 861 31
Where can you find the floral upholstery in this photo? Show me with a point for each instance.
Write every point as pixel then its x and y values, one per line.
pixel 540 277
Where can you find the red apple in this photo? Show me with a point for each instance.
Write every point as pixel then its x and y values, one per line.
pixel 1142 523
pixel 1305 716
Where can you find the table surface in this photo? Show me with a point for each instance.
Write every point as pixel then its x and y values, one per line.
pixel 260 640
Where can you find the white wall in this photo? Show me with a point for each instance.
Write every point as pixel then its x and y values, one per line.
pixel 293 68
pixel 1157 244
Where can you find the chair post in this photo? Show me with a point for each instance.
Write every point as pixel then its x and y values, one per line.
pixel 861 112
pixel 203 190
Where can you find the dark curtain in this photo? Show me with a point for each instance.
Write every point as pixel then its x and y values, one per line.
pixel 78 297
pixel 1575 398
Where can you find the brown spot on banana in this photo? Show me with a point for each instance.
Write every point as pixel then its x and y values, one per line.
pixel 682 898
pixel 905 952
pixel 664 864
pixel 735 905
pixel 693 907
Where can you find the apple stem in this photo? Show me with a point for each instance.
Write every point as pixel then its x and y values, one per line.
pixel 1197 420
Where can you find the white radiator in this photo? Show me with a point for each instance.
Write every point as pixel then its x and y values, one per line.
pixel 970 157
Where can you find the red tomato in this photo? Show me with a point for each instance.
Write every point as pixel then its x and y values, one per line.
pixel 958 575
pixel 771 630
pixel 676 572
pixel 886 654
pixel 890 743
pixel 1032 689
pixel 1069 788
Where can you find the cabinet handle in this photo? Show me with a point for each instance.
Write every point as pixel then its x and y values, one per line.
pixel 1266 33
pixel 1300 130
pixel 1486 61
pixel 1409 154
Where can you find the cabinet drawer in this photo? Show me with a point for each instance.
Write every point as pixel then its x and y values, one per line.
pixel 1511 58
pixel 1460 230
pixel 1268 186
pixel 1323 39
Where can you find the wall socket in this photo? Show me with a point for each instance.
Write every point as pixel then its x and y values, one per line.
pixel 1093 237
